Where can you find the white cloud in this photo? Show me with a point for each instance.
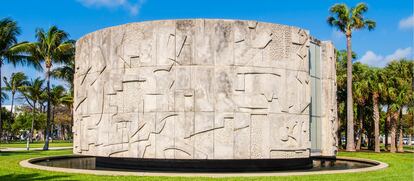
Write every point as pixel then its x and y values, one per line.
pixel 407 23
pixel 400 53
pixel 132 7
pixel 371 58
pixel 378 60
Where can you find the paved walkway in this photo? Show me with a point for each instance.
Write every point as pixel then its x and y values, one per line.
pixel 31 149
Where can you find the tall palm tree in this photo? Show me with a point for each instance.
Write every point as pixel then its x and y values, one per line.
pixel 8 38
pixel 52 46
pixel 341 57
pixel 347 20
pixel 377 88
pixel 33 93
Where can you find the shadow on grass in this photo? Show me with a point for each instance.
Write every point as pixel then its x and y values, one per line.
pixel 12 153
pixel 39 153
pixel 31 176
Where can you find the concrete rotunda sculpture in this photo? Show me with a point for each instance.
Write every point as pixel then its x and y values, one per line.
pixel 204 89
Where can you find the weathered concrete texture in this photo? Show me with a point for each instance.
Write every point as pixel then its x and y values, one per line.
pixel 196 89
pixel 329 107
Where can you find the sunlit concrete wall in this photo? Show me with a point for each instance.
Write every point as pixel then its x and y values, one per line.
pixel 194 89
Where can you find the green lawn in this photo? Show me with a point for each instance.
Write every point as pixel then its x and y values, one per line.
pixel 22 144
pixel 406 147
pixel 400 168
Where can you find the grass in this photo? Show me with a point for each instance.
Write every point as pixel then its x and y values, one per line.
pixel 406 147
pixel 400 168
pixel 22 144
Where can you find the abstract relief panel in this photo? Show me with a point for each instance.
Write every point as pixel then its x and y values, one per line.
pixel 194 89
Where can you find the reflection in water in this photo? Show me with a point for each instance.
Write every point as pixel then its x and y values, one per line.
pixel 320 164
pixel 79 163
pixel 90 164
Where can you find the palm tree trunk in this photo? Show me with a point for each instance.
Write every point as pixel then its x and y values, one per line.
pixel 360 119
pixel 11 110
pixel 350 144
pixel 29 138
pixel 386 128
pixel 400 137
pixel 46 146
pixel 52 122
pixel 393 128
pixel 338 130
pixel 376 123
pixel 1 122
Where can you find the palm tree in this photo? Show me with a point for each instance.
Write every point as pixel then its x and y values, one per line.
pixel 65 72
pixel 399 94
pixel 4 96
pixel 341 57
pixel 16 82
pixel 8 38
pixel 360 86
pixel 33 93
pixel 347 20
pixel 57 94
pixel 405 94
pixel 52 46
pixel 377 88
pixel 67 101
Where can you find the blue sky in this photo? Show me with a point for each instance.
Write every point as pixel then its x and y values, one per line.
pixel 393 37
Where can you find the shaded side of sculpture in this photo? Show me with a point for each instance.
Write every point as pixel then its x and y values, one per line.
pixel 193 89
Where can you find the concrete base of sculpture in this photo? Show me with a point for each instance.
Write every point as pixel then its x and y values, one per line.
pixel 237 91
pixel 204 165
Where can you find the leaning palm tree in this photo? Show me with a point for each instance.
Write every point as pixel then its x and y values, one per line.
pixel 13 84
pixel 16 82
pixel 347 20
pixel 32 92
pixel 52 46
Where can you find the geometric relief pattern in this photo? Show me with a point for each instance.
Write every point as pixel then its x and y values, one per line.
pixel 193 89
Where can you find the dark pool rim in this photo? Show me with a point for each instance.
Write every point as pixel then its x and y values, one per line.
pixel 376 165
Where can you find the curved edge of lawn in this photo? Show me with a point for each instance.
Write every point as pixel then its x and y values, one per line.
pixel 400 168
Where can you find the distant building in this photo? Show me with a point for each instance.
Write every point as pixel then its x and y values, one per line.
pixel 16 108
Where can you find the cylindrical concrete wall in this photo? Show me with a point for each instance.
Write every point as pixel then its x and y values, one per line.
pixel 193 89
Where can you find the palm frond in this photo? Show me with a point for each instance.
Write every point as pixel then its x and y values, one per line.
pixel 370 24
pixel 339 17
